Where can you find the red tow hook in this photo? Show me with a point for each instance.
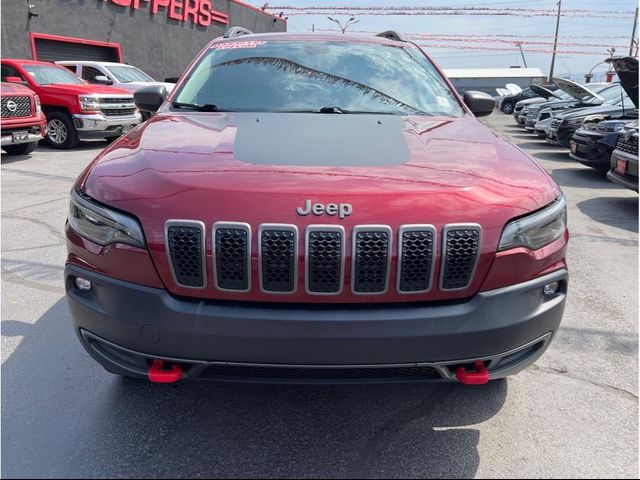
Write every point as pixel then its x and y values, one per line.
pixel 479 377
pixel 158 374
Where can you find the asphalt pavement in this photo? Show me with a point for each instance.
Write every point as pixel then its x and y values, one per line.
pixel 573 414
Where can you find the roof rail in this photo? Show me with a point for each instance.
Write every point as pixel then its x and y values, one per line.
pixel 236 32
pixel 391 35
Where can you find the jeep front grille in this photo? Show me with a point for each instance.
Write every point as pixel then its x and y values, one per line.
pixel 232 256
pixel 325 260
pixel 371 255
pixel 22 107
pixel 370 249
pixel 416 258
pixel 278 258
pixel 185 245
pixel 628 146
pixel 461 245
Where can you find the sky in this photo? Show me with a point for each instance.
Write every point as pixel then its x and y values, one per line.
pixel 586 31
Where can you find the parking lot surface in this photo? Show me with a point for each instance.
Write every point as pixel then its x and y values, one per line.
pixel 573 414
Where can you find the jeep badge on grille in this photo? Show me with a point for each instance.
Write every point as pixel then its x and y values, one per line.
pixel 342 210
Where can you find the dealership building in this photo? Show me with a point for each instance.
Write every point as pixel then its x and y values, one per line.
pixel 159 36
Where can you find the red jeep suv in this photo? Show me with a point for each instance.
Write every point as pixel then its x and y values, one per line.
pixel 315 208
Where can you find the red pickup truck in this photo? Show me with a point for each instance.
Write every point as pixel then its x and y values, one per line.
pixel 23 123
pixel 75 110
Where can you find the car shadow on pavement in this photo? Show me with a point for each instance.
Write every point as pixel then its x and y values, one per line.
pixel 619 212
pixel 64 416
pixel 557 155
pixel 7 159
pixel 582 177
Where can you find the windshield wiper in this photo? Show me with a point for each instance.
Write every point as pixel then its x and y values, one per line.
pixel 207 107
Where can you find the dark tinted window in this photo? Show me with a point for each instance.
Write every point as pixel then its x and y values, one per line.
pixel 90 74
pixel 9 71
pixel 307 76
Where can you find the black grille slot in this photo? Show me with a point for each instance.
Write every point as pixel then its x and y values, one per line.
pixel 461 247
pixel 628 146
pixel 370 260
pixel 325 251
pixel 232 256
pixel 21 107
pixel 115 100
pixel 417 249
pixel 185 244
pixel 117 112
pixel 278 259
pixel 230 372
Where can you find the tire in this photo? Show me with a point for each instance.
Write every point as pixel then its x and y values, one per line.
pixel 507 107
pixel 21 148
pixel 61 133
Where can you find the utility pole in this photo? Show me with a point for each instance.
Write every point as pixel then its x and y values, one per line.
pixel 524 60
pixel 633 33
pixel 555 41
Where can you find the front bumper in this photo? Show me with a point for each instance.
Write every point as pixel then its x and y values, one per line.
pixel 588 150
pixel 9 138
pixel 97 125
pixel 560 136
pixel 628 179
pixel 151 323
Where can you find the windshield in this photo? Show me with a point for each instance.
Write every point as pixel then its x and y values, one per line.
pixel 609 93
pixel 282 76
pixel 45 75
pixel 125 74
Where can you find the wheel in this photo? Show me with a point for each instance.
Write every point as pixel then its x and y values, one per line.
pixel 507 107
pixel 21 148
pixel 60 131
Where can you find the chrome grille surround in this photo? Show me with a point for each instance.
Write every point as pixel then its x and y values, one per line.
pixel 446 261
pixel 186 224
pixel 239 230
pixel 310 247
pixel 403 259
pixel 384 243
pixel 262 271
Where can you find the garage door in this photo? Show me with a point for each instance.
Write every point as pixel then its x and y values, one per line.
pixel 50 48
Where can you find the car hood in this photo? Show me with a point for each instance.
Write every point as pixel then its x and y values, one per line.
pixel 577 91
pixel 599 110
pixel 134 86
pixel 259 168
pixel 14 89
pixel 543 92
pixel 531 101
pixel 627 70
pixel 83 89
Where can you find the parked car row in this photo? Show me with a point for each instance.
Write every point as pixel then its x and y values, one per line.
pixel 598 122
pixel 63 104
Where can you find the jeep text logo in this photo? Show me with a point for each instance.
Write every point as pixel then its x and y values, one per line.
pixel 342 209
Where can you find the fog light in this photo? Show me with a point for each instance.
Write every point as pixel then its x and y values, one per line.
pixel 551 288
pixel 82 284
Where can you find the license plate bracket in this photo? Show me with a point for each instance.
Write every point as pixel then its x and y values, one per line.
pixel 19 136
pixel 573 146
pixel 621 166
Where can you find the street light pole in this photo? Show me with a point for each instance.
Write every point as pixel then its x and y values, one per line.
pixel 343 29
pixel 555 41
pixel 524 60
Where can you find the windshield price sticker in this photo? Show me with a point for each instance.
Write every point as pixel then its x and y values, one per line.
pixel 248 44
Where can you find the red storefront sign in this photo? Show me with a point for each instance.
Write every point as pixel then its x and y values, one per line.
pixel 200 12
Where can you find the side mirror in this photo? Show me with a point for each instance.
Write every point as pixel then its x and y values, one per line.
pixel 149 99
pixel 17 80
pixel 481 104
pixel 102 80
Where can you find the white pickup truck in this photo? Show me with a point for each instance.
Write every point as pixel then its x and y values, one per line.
pixel 119 75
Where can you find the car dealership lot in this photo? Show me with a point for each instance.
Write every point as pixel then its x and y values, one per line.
pixel 572 414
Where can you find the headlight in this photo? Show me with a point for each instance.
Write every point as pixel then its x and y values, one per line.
pixel 38 104
pixel 102 225
pixel 538 229
pixel 612 126
pixel 88 103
